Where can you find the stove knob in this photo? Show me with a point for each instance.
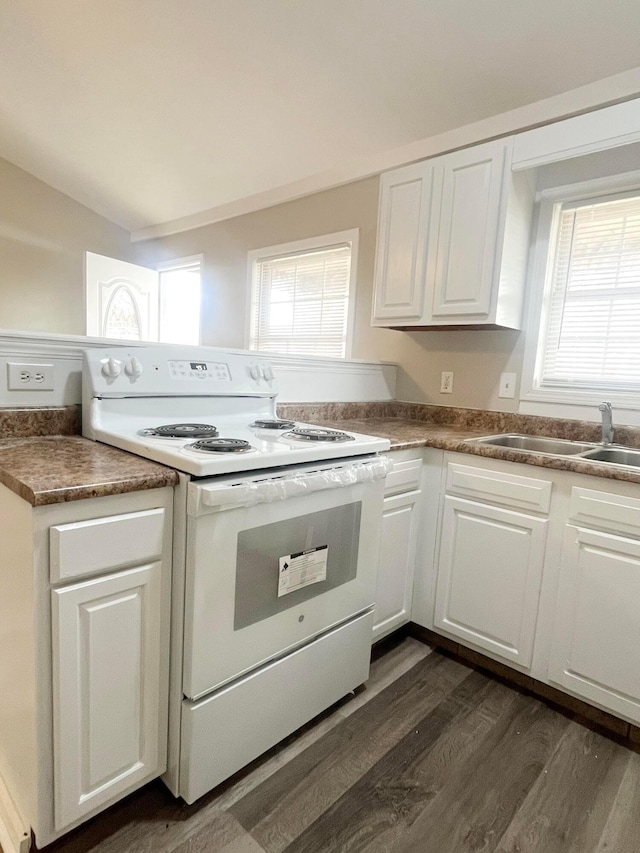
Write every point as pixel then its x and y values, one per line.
pixel 267 372
pixel 133 368
pixel 254 370
pixel 111 368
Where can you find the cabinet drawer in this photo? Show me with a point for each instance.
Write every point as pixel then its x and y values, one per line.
pixel 616 513
pixel 498 487
pixel 101 544
pixel 405 477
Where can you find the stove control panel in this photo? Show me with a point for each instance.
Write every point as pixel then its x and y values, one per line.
pixel 198 370
pixel 159 369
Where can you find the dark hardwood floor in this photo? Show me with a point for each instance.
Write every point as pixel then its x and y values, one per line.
pixel 432 756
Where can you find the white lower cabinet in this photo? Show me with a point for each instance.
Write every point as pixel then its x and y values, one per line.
pixel 107 699
pixel 540 570
pixel 489 575
pixel 84 607
pixel 400 522
pixel 596 631
pixel 492 541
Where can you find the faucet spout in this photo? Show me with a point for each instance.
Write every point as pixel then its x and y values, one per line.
pixel 607 422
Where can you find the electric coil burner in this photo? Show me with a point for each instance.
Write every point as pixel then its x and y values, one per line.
pixel 220 445
pixel 318 434
pixel 272 423
pixel 181 431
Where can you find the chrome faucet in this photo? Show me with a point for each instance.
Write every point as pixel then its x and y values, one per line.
pixel 607 422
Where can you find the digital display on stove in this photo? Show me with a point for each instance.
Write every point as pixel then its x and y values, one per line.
pixel 218 371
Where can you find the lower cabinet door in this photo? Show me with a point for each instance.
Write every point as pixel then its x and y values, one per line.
pixel 395 569
pixel 489 575
pixel 108 711
pixel 596 633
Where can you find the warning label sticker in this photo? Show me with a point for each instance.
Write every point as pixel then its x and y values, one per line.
pixel 302 569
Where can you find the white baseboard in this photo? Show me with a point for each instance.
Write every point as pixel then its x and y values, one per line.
pixel 15 834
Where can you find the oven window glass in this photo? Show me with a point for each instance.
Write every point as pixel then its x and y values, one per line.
pixel 258 560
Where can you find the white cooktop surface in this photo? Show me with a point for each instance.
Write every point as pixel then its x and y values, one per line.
pixel 220 391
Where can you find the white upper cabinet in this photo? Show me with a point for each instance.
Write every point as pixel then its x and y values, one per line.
pixel 458 257
pixel 404 222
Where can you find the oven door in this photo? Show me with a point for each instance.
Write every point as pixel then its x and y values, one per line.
pixel 275 561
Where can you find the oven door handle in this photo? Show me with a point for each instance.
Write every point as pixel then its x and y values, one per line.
pixel 251 492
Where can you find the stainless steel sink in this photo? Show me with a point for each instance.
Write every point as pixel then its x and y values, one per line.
pixel 614 455
pixel 536 444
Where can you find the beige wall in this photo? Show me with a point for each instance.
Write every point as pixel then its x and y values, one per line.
pixel 43 237
pixel 44 234
pixel 225 246
pixel 476 357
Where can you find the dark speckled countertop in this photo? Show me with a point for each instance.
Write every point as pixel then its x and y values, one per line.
pixel 409 425
pixel 53 469
pixel 45 461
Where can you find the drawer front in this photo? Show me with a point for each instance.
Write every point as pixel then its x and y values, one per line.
pixel 615 513
pixel 509 490
pixel 102 544
pixel 223 732
pixel 405 477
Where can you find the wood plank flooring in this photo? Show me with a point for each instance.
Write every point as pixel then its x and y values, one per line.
pixel 432 756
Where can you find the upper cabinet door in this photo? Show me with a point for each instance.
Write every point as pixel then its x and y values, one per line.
pixel 468 236
pixel 404 224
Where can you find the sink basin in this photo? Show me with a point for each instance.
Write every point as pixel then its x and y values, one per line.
pixel 536 444
pixel 615 455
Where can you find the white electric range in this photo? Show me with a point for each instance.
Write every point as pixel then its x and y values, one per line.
pixel 276 547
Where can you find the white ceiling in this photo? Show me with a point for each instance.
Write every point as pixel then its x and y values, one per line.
pixel 152 110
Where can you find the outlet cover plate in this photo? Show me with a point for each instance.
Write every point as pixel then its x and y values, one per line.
pixel 27 376
pixel 446 382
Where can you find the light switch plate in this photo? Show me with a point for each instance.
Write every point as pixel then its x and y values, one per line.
pixel 507 385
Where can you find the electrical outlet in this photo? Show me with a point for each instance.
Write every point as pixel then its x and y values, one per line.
pixel 507 385
pixel 29 377
pixel 446 382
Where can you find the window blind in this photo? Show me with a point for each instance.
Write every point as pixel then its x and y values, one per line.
pixel 301 303
pixel 592 335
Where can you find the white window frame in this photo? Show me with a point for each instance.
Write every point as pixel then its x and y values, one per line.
pixel 300 247
pixel 178 263
pixel 564 402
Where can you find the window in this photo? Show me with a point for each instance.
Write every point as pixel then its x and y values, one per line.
pixel 135 303
pixel 585 326
pixel 302 296
pixel 179 294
